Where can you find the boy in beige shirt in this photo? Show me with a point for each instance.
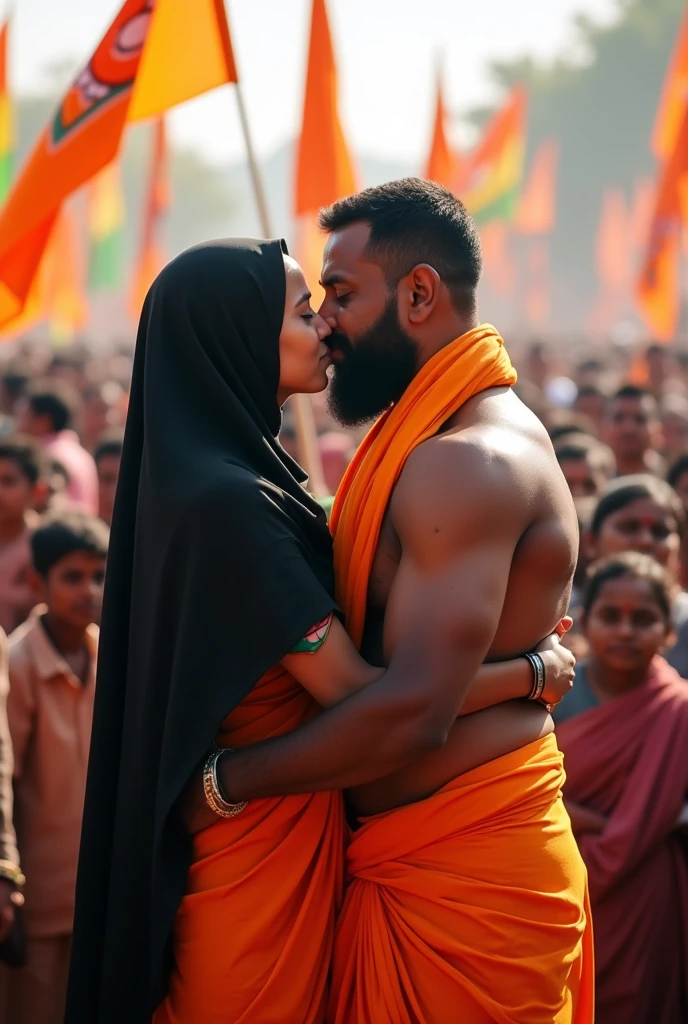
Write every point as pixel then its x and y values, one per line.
pixel 50 708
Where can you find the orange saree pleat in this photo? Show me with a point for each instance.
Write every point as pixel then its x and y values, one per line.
pixel 253 936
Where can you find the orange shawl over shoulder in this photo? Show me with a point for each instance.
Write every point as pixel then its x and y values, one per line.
pixel 470 905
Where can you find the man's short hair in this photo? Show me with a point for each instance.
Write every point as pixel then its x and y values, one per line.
pixel 64 533
pixel 26 454
pixel 414 221
pixel 54 400
pixel 110 444
pixel 634 393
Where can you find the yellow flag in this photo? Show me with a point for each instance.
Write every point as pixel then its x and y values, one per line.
pixel 188 51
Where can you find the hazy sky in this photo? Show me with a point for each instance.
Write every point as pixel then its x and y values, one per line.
pixel 385 49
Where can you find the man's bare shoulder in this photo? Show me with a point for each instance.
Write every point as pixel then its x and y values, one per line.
pixel 461 483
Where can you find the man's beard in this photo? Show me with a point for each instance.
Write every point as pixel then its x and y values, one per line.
pixel 378 368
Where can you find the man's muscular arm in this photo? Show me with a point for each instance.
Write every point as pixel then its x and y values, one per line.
pixel 456 513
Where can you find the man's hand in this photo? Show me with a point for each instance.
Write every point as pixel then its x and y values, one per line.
pixel 9 900
pixel 560 665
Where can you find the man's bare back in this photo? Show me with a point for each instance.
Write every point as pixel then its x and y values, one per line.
pixel 504 432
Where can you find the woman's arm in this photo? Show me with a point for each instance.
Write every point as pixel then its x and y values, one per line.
pixel 335 670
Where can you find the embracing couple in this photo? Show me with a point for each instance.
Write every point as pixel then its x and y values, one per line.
pixel 253 683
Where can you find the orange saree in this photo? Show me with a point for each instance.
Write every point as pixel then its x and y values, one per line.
pixel 471 905
pixel 253 936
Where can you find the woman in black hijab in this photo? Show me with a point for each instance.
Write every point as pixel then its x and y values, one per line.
pixel 220 564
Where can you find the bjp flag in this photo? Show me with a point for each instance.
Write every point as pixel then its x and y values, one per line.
pixel 155 54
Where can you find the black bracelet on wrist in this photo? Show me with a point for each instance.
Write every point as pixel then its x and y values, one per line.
pixel 539 673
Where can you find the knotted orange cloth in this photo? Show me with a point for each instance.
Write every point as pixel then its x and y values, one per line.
pixel 253 935
pixel 469 906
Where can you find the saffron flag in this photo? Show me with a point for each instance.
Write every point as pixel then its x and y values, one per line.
pixel 674 97
pixel 537 205
pixel 155 54
pixel 443 164
pixel 63 277
pixel 496 165
pixel 612 260
pixel 152 256
pixel 6 119
pixel 324 168
pixel 658 287
pixel 106 230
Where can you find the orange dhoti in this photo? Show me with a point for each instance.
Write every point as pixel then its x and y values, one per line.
pixel 469 907
pixel 253 936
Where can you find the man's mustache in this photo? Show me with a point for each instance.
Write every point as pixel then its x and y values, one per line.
pixel 339 342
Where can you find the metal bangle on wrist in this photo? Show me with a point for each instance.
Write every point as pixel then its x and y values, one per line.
pixel 11 873
pixel 539 675
pixel 211 786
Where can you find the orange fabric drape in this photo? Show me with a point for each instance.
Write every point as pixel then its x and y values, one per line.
pixel 475 361
pixel 254 932
pixel 470 905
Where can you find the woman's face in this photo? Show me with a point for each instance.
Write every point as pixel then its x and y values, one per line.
pixel 644 526
pixel 304 356
pixel 626 626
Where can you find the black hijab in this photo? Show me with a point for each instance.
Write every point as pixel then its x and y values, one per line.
pixel 219 563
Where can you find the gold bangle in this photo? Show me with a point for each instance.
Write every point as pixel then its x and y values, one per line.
pixel 211 786
pixel 11 873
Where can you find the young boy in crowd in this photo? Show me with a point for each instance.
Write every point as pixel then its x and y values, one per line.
pixel 21 485
pixel 50 707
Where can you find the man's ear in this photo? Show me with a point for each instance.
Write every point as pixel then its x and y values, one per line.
pixel 420 293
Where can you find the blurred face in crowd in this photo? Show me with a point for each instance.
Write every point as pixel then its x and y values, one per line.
pixel 108 472
pixel 374 358
pixel 632 428
pixel 304 356
pixel 29 422
pixel 17 493
pixel 591 404
pixel 643 525
pixel 675 432
pixel 583 479
pixel 73 589
pixel 625 627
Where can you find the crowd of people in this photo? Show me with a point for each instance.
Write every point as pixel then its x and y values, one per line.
pixel 618 420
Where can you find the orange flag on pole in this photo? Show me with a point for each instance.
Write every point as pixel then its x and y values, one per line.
pixel 156 53
pixel 658 288
pixel 536 212
pixel 64 295
pixel 612 260
pixel 152 256
pixel 324 168
pixel 674 97
pixel 444 164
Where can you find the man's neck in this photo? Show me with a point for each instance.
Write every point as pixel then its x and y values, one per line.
pixel 66 639
pixel 443 335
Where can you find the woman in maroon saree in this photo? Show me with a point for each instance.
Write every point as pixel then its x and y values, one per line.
pixel 624 734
